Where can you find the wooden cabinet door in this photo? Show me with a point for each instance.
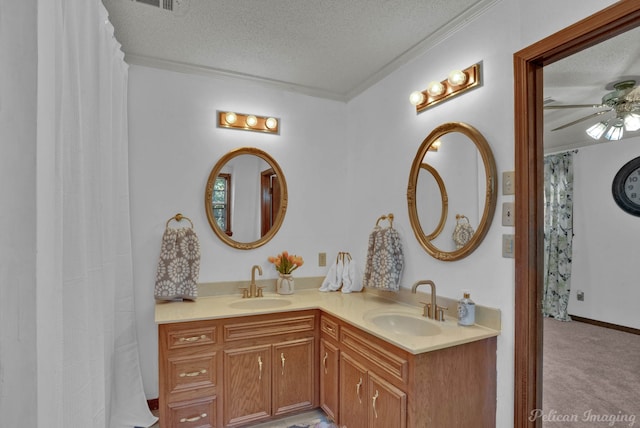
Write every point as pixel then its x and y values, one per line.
pixel 293 376
pixel 329 380
pixel 387 405
pixel 247 385
pixel 354 397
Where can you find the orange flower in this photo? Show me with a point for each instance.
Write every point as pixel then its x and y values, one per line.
pixel 286 263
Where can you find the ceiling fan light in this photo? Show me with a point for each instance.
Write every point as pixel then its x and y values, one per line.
pixel 632 122
pixel 597 130
pixel 615 132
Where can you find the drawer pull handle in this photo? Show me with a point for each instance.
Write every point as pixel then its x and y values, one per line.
pixel 358 390
pixel 193 419
pixel 374 398
pixel 192 338
pixel 260 367
pixel 328 327
pixel 282 359
pixel 192 374
pixel 324 362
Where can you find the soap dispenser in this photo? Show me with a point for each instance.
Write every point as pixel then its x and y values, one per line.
pixel 466 310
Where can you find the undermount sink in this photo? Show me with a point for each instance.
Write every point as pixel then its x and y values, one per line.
pixel 260 303
pixel 405 324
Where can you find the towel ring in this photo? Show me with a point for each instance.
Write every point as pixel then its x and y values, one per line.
pixel 386 217
pixel 179 217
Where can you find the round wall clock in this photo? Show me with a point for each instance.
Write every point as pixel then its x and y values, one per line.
pixel 626 187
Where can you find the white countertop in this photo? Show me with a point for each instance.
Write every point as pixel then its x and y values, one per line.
pixel 354 308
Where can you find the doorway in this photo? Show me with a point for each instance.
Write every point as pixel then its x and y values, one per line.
pixel 528 65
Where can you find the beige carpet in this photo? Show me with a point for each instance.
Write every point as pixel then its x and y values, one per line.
pixel 591 376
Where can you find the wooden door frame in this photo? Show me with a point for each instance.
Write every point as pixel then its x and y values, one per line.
pixel 528 86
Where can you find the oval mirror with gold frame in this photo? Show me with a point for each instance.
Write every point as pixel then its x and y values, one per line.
pixel 246 198
pixel 474 191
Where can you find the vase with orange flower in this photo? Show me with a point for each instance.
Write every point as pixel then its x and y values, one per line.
pixel 285 264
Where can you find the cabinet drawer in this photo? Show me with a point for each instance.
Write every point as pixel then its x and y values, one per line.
pixel 329 327
pixel 376 354
pixel 268 327
pixel 184 338
pixel 199 413
pixel 190 372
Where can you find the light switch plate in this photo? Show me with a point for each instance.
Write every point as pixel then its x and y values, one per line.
pixel 508 250
pixel 322 259
pixel 508 183
pixel 508 218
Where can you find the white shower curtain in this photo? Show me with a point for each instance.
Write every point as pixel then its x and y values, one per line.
pixel 95 357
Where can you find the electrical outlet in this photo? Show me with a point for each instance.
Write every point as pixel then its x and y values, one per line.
pixel 580 295
pixel 508 218
pixel 322 259
pixel 508 183
pixel 508 249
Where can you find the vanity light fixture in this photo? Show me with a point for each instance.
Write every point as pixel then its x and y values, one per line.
pixel 248 122
pixel 455 84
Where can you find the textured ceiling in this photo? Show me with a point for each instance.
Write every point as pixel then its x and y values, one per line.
pixel 338 48
pixel 327 48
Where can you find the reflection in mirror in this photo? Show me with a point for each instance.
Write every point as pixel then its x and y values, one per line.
pixel 465 164
pixel 431 197
pixel 246 198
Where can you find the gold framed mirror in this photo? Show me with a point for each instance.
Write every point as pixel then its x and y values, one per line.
pixel 465 164
pixel 246 198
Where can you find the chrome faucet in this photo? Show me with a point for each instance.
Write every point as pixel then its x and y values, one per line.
pixel 431 310
pixel 253 292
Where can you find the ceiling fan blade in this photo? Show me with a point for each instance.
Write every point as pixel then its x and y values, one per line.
pixel 598 113
pixel 575 106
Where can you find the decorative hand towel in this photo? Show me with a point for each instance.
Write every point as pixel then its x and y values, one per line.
pixel 463 232
pixel 385 260
pixel 342 275
pixel 333 280
pixel 350 278
pixel 179 265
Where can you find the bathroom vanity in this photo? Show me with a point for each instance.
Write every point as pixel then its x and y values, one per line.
pixel 224 363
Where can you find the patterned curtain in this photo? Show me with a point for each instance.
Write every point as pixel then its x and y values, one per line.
pixel 558 234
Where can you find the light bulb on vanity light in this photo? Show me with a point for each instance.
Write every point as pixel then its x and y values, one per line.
pixel 271 123
pixel 251 121
pixel 416 98
pixel 457 78
pixel 230 118
pixel 435 89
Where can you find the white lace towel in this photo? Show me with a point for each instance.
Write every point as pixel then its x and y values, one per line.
pixel 178 266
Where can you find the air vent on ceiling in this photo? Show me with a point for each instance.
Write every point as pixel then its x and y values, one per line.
pixel 164 4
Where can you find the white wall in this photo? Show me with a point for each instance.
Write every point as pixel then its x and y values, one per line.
pixel 18 65
pixel 174 144
pixel 605 243
pixel 364 148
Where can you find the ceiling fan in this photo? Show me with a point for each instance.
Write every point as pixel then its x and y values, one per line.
pixel 624 101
